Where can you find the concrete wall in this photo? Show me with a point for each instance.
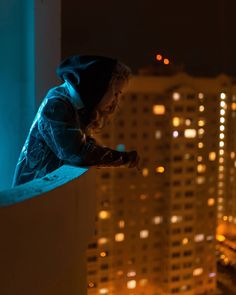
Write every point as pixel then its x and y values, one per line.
pixel 29 53
pixel 17 101
pixel 44 238
pixel 47 45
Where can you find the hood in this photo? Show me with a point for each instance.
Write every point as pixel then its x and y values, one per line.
pixel 89 75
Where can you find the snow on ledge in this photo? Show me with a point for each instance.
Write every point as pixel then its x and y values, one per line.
pixel 40 186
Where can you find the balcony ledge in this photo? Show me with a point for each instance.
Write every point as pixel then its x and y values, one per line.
pixel 45 227
pixel 37 187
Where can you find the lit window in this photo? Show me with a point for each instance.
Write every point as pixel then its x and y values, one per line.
pixel 222 136
pixel 221 176
pixel 121 223
pixel 157 219
pixel 104 214
pixel 159 109
pixel 199 238
pixel 175 133
pixel 190 133
pixel 120 273
pixel 103 254
pixel 233 106
pixel 223 95
pixel 102 241
pixel 175 219
pixel 232 155
pixel 222 120
pixel 185 241
pixel 176 96
pixel 188 156
pixel 201 168
pixel 145 172
pixel 158 134
pixel 143 197
pixel 200 179
pixel 201 131
pixel 201 123
pixel 188 122
pixel 200 145
pixel 103 291
pixel 119 237
pixel 220 200
pixel 210 238
pixel 143 282
pixel 221 152
pixel 222 112
pixel 91 284
pixel 199 158
pixel 212 156
pixel 131 274
pixel 200 95
pixel 220 238
pixel 212 274
pixel 201 108
pixel 198 271
pixel 222 127
pixel 221 168
pixel 211 202
pixel 222 104
pixel 176 121
pixel 160 169
pixel 221 143
pixel 144 234
pixel 131 284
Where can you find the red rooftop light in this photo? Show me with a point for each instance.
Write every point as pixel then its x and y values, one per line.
pixel 159 57
pixel 166 61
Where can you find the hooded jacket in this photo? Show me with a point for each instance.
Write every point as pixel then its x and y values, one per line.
pixel 57 135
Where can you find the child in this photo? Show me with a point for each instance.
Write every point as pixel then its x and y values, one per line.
pixel 60 133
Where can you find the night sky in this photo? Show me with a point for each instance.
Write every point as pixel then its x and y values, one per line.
pixel 201 34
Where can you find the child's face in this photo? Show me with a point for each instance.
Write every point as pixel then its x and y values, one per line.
pixel 110 99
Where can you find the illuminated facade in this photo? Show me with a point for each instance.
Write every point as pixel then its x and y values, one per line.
pixel 227 163
pixel 155 228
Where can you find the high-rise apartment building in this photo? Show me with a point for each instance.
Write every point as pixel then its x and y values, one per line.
pixel 155 228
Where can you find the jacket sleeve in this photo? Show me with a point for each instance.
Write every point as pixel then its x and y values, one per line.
pixel 58 127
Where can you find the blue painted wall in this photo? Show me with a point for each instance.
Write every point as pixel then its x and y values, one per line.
pixel 17 89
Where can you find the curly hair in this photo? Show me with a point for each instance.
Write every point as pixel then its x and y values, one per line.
pixel 121 72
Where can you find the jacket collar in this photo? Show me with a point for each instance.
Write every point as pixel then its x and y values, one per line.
pixel 74 96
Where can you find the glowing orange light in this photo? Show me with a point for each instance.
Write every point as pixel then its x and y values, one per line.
pixel 91 284
pixel 166 61
pixel 159 57
pixel 220 238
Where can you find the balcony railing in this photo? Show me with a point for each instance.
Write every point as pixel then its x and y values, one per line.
pixel 45 226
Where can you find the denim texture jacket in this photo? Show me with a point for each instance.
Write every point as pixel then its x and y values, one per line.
pixel 57 137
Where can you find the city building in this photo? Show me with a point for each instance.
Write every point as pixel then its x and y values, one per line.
pixel 155 227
